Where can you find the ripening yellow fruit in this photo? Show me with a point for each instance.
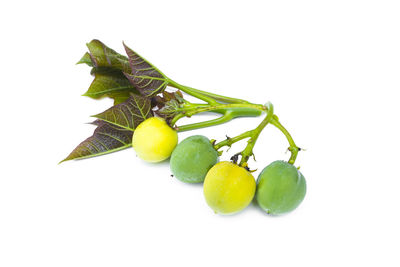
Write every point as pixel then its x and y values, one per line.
pixel 228 188
pixel 154 140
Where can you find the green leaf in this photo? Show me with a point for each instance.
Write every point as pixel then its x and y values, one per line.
pixel 120 97
pixel 128 114
pixel 86 60
pixel 103 56
pixel 109 82
pixel 107 138
pixel 144 76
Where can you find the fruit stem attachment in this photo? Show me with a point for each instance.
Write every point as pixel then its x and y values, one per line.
pixel 293 148
pixel 230 108
pixel 248 151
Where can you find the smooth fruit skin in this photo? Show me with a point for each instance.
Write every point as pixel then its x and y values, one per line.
pixel 153 140
pixel 192 158
pixel 228 188
pixel 280 188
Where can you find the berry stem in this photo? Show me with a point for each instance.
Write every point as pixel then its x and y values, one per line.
pixel 293 148
pixel 248 151
pixel 230 108
pixel 229 141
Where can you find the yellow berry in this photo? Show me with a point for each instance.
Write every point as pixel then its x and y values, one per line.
pixel 228 188
pixel 154 140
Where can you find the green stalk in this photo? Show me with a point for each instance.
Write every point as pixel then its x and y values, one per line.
pixel 248 151
pixel 228 111
pixel 226 99
pixel 205 96
pixel 193 126
pixel 231 140
pixel 192 92
pixel 232 109
pixel 253 135
pixel 293 148
pixel 240 110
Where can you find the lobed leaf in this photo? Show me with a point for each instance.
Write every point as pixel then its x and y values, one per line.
pixel 144 76
pixel 109 82
pixel 107 138
pixel 128 114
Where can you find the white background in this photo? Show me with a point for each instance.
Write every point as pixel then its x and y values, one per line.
pixel 331 68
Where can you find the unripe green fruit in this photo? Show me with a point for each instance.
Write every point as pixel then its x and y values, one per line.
pixel 280 188
pixel 192 158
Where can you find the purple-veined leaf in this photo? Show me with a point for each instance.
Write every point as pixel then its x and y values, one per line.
pixel 111 83
pixel 169 105
pixel 129 114
pixel 107 138
pixel 103 56
pixel 144 76
pixel 108 67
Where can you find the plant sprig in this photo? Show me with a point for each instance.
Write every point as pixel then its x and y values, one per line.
pixel 139 92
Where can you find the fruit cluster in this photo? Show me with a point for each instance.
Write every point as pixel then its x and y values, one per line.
pixel 145 116
pixel 228 187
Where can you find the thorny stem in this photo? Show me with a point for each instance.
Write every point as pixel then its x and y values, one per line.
pixel 229 141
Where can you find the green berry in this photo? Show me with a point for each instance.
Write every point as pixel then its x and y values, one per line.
pixel 280 188
pixel 192 158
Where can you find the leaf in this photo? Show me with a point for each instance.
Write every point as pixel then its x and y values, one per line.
pixel 169 105
pixel 128 114
pixel 103 56
pixel 109 82
pixel 120 97
pixel 169 110
pixel 107 138
pixel 86 60
pixel 144 76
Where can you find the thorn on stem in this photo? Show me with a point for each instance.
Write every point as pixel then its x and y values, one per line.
pixel 235 158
